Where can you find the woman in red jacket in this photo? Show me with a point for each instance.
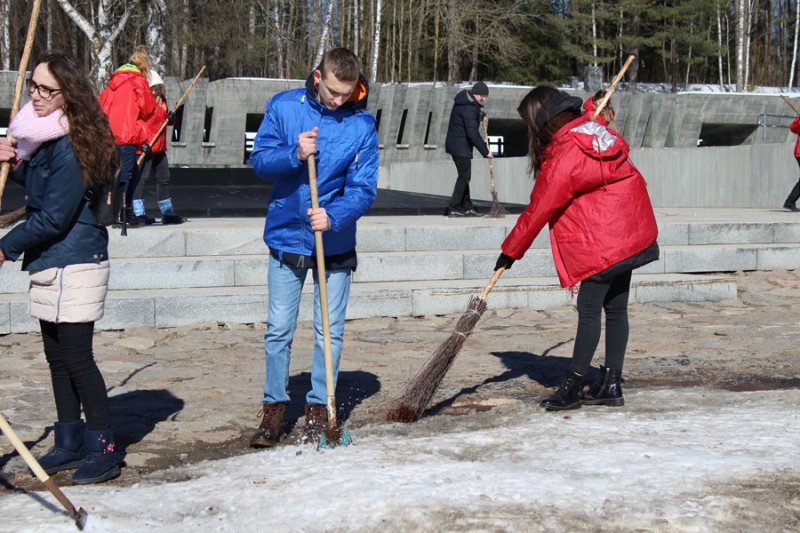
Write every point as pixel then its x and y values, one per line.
pixel 791 201
pixel 128 103
pixel 602 226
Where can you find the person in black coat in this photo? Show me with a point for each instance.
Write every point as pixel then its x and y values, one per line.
pixel 462 136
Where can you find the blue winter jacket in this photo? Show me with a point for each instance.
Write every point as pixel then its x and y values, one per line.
pixel 347 169
pixel 60 229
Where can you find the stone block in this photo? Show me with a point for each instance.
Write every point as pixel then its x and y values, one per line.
pixel 709 259
pixel 441 238
pixel 242 241
pixel 173 274
pixel 248 272
pixel 13 280
pixel 536 263
pixel 687 290
pixel 21 321
pixel 407 267
pixel 673 233
pixel 730 233
pixel 145 242
pixel 5 318
pixel 379 301
pixel 127 310
pixel 784 257
pixel 786 232
pixel 182 310
pixel 379 238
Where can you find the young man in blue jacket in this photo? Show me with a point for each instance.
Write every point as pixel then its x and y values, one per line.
pixel 328 119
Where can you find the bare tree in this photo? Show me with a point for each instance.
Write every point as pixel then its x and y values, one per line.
pixel 377 41
pixel 326 24
pixel 794 46
pixel 5 39
pixel 154 34
pixel 102 28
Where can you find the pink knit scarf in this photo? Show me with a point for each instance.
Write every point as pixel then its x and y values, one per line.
pixel 31 130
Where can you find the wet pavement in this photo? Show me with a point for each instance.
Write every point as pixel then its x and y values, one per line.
pixel 182 395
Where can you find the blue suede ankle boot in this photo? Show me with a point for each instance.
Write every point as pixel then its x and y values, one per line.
pixel 68 451
pixel 101 461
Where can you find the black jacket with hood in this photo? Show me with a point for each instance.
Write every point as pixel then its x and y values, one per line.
pixel 462 132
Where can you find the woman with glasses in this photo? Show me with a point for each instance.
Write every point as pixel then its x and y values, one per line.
pixel 64 146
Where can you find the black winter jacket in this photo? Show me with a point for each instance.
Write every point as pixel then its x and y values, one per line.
pixel 462 132
pixel 60 229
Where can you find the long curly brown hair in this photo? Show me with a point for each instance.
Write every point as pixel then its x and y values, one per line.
pixel 89 132
pixel 530 105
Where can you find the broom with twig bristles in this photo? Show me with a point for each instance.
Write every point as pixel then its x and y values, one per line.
pixel 497 211
pixel 410 406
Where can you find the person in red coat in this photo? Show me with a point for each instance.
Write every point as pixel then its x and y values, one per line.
pixel 156 162
pixel 602 226
pixel 128 104
pixel 791 201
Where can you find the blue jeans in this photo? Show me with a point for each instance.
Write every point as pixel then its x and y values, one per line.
pixel 285 285
pixel 129 173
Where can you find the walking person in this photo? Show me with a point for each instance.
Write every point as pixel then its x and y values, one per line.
pixel 791 200
pixel 156 162
pixel 128 103
pixel 64 146
pixel 602 226
pixel 328 119
pixel 462 135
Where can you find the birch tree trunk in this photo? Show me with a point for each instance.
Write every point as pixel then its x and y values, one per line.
pixel 794 46
pixel 154 34
pixel 741 16
pixel 102 32
pixel 356 26
pixel 6 38
pixel 277 35
pixel 377 42
pixel 719 51
pixel 326 25
pixel 594 35
pixel 750 6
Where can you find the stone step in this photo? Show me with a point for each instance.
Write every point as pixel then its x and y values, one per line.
pixel 177 307
pixel 251 270
pixel 236 237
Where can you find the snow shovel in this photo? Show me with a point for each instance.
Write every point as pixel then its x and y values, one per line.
pixel 334 435
pixel 81 515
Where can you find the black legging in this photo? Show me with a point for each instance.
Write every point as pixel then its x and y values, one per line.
pixel 593 298
pixel 76 379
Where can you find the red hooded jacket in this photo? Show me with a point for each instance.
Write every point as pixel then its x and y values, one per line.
pixel 795 127
pixel 588 111
pixel 594 199
pixel 128 103
pixel 154 124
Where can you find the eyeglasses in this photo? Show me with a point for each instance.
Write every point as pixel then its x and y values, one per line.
pixel 44 92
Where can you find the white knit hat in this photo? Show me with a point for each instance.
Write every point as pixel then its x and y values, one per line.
pixel 155 79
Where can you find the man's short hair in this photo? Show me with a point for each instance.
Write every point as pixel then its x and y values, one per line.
pixel 342 63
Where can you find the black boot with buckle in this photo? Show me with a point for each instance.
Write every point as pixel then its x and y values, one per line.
pixel 606 389
pixel 568 394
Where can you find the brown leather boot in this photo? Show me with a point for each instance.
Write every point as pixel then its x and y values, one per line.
pixel 270 431
pixel 316 420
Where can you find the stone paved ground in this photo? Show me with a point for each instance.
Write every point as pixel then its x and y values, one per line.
pixel 186 394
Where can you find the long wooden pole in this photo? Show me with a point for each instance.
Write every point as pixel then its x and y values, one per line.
pixel 23 68
pixel 790 105
pixel 81 515
pixel 602 104
pixel 174 110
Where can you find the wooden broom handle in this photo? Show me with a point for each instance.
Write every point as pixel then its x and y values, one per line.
pixel 610 91
pixel 790 105
pixel 23 68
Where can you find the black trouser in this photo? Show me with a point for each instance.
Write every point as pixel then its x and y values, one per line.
pixel 460 199
pixel 157 164
pixel 76 379
pixel 795 194
pixel 593 298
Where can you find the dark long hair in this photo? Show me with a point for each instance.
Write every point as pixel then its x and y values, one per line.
pixel 540 137
pixel 89 132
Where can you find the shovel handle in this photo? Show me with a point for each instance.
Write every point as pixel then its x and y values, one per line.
pixel 323 297
pixel 34 465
